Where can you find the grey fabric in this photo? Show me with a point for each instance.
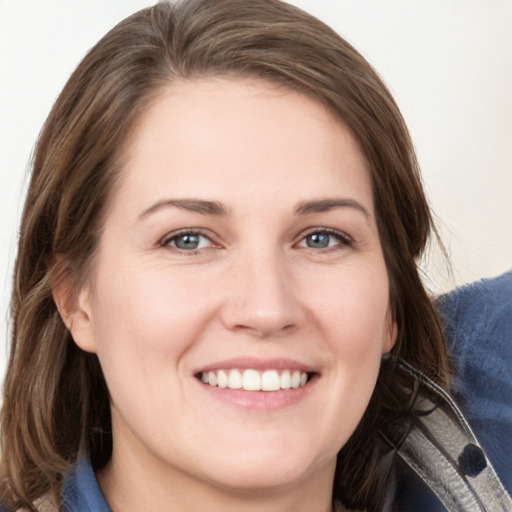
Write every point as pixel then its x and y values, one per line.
pixel 437 443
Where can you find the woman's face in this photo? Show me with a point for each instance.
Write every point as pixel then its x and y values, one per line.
pixel 240 250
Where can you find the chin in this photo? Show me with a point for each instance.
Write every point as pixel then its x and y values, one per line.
pixel 265 477
pixel 264 468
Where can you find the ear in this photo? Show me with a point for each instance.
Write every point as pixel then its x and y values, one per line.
pixel 75 311
pixel 390 335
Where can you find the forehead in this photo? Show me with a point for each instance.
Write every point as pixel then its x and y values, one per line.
pixel 199 136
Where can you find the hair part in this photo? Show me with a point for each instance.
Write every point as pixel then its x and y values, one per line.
pixel 56 402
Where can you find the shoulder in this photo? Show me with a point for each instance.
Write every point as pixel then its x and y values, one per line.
pixel 477 320
pixel 479 308
pixel 478 325
pixel 80 491
pixel 43 504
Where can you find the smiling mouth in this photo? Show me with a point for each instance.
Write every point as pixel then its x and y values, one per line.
pixel 254 380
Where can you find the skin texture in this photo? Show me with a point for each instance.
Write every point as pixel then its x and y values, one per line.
pixel 253 289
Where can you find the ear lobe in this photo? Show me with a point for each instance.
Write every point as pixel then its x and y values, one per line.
pixel 76 312
pixel 391 335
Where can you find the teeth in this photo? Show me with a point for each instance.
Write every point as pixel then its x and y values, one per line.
pixel 222 379
pixel 235 379
pixel 270 381
pixel 295 380
pixel 286 380
pixel 253 380
pixel 212 378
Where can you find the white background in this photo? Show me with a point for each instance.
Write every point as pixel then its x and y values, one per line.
pixel 447 62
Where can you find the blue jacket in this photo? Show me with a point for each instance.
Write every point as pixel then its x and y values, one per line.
pixel 478 326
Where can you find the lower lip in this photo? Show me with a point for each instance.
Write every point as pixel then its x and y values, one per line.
pixel 260 400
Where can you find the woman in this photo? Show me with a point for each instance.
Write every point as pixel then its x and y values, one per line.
pixel 218 248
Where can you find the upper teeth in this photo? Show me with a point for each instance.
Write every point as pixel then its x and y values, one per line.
pixel 253 380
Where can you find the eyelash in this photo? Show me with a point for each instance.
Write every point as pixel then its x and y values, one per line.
pixel 343 238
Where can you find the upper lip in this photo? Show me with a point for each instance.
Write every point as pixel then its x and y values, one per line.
pixel 245 363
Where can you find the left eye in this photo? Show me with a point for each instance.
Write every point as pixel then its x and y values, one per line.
pixel 323 240
pixel 188 241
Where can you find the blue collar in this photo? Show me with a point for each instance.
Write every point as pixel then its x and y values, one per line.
pixel 81 491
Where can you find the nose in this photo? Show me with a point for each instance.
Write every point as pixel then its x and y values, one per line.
pixel 261 299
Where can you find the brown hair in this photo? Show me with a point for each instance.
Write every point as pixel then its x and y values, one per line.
pixel 56 402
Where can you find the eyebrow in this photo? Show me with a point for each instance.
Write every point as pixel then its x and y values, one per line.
pixel 323 205
pixel 217 208
pixel 193 205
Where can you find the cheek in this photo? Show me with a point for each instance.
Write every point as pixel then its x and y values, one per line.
pixel 355 311
pixel 354 317
pixel 146 321
pixel 147 301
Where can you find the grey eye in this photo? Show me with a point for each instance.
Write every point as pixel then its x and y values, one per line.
pixel 318 240
pixel 187 242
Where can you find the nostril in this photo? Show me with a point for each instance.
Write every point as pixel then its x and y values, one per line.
pixel 263 330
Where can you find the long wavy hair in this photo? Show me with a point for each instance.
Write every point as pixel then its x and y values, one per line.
pixel 56 403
